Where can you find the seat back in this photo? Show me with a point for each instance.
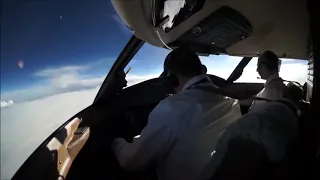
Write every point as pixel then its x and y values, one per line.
pixel 294 92
pixel 251 146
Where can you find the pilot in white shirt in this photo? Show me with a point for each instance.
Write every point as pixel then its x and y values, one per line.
pixel 268 69
pixel 183 129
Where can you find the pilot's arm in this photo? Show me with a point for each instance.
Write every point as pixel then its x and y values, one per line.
pixel 153 142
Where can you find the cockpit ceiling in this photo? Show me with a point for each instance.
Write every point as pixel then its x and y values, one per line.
pixel 278 25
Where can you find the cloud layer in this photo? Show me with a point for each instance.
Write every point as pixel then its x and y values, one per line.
pixel 56 81
pixel 25 126
pixel 76 78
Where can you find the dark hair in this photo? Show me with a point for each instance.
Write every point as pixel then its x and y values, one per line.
pixel 183 61
pixel 272 62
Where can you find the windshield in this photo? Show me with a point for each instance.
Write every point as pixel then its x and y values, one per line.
pixel 54 57
pixel 148 63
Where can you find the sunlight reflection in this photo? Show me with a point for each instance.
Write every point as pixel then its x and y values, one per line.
pixel 213 152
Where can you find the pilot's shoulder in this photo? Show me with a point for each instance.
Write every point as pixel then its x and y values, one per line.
pixel 170 107
pixel 173 102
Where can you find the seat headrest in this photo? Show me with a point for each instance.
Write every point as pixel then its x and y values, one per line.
pixel 294 92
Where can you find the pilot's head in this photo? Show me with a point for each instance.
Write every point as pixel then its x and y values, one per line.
pixel 268 64
pixel 181 65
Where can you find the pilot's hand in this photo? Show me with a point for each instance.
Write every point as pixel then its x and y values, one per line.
pixel 118 143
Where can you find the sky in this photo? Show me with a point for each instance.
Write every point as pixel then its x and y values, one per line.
pixel 54 58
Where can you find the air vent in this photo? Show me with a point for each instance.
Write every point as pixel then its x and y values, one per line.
pixel 311 60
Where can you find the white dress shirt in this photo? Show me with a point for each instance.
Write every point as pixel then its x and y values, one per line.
pixel 273 90
pixel 181 133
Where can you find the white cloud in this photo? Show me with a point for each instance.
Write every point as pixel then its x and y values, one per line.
pixel 69 78
pixel 25 126
pixel 294 72
pixel 55 81
pixel 62 80
pixel 74 78
pixel 6 103
pixel 54 72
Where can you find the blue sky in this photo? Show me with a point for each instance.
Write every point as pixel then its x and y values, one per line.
pixel 35 32
pixel 78 40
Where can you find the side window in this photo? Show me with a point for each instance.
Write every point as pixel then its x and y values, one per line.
pixel 223 66
pixel 287 67
pixel 294 70
pixel 147 64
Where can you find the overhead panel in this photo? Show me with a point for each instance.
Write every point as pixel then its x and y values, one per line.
pixel 220 30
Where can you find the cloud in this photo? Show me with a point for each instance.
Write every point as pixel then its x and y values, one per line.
pixel 55 110
pixel 65 79
pixel 52 72
pixel 25 126
pixel 55 81
pixel 69 78
pixel 294 72
pixel 6 103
